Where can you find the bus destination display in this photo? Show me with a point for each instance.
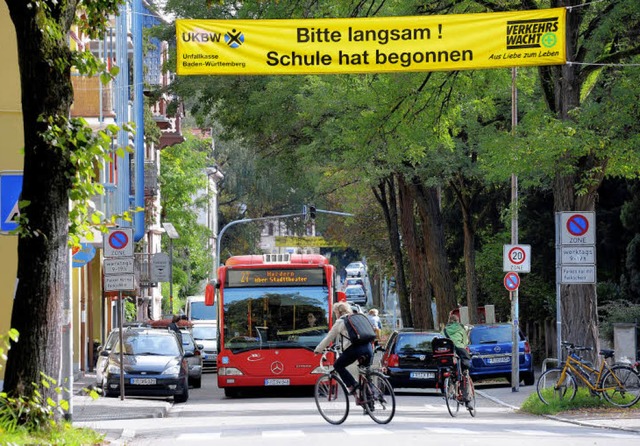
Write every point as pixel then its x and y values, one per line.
pixel 274 277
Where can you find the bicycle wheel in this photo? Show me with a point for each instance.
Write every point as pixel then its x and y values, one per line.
pixel 380 400
pixel 621 386
pixel 451 396
pixel 552 389
pixel 331 398
pixel 471 395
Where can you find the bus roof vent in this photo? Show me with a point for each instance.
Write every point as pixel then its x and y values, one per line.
pixel 277 258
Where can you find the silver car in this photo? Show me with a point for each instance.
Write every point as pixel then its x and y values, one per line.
pixel 195 361
pixel 207 336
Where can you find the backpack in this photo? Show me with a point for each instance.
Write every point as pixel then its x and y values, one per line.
pixel 359 329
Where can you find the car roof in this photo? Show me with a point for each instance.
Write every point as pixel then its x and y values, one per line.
pixel 418 331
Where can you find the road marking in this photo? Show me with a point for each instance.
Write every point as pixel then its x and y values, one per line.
pixel 533 432
pixel 367 431
pixel 448 430
pixel 200 436
pixel 283 433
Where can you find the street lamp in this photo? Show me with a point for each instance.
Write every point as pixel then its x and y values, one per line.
pixel 173 234
pixel 214 175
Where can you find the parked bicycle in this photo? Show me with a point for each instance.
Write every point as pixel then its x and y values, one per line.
pixel 619 383
pixel 452 380
pixel 374 392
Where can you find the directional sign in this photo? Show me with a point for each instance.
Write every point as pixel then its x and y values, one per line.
pixel 578 228
pixel 10 190
pixel 119 243
pixel 516 258
pixel 511 281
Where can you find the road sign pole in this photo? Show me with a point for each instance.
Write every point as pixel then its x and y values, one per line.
pixel 515 373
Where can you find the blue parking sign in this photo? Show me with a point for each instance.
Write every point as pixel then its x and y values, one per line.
pixel 10 189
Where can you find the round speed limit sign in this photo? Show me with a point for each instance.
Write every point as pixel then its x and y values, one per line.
pixel 517 258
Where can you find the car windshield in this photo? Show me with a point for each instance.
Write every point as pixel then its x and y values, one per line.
pixel 354 290
pixel 187 342
pixel 495 334
pixel 409 343
pixel 204 333
pixel 150 345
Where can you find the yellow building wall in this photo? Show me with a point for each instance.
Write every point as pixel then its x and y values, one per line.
pixel 11 157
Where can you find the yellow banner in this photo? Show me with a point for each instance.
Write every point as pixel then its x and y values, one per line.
pixel 376 45
pixel 307 242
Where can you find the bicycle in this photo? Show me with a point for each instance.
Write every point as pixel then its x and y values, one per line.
pixel 619 384
pixel 452 380
pixel 374 393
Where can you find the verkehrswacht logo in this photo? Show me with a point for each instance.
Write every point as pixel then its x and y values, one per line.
pixel 536 33
pixel 234 38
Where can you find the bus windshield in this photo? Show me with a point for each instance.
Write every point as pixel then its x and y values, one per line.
pixel 274 317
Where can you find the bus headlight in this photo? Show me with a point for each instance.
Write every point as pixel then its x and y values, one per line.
pixel 229 371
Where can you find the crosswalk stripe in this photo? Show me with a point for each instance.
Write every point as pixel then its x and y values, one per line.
pixel 199 436
pixel 529 432
pixel 448 430
pixel 283 433
pixel 367 431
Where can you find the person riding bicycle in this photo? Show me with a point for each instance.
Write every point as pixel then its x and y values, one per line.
pixel 457 332
pixel 350 352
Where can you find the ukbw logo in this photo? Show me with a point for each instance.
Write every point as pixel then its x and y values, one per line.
pixel 234 39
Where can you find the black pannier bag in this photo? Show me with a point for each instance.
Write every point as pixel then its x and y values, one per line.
pixel 359 328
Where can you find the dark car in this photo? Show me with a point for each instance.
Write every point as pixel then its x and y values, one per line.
pixel 154 364
pixel 408 359
pixel 490 348
pixel 356 294
pixel 104 350
pixel 195 360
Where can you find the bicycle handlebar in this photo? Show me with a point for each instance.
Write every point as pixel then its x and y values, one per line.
pixel 575 347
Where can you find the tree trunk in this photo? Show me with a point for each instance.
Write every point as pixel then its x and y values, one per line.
pixel 386 195
pixel 578 303
pixel 437 262
pixel 43 253
pixel 421 293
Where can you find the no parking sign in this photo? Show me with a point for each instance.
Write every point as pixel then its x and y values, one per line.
pixel 511 281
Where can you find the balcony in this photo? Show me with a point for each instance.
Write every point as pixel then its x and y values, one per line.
pixel 92 99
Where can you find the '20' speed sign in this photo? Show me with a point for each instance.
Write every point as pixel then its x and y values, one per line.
pixel 517 258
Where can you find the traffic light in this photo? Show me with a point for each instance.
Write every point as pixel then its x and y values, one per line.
pixel 312 212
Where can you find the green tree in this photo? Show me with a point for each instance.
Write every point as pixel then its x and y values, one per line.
pixel 55 153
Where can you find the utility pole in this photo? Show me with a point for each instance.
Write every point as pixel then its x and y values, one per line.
pixel 173 234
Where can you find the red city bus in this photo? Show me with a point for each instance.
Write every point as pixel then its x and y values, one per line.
pixel 273 311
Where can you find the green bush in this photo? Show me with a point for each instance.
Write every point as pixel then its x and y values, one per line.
pixel 33 419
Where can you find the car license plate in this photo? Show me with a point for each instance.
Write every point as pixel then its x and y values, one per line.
pixel 500 360
pixel 143 381
pixel 208 357
pixel 276 382
pixel 422 375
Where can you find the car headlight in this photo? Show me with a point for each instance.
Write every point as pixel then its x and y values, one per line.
pixel 172 370
pixel 113 368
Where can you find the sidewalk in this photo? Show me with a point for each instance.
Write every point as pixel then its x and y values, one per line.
pixel 86 408
pixel 622 419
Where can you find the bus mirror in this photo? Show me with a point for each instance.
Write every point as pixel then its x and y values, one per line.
pixel 342 296
pixel 209 294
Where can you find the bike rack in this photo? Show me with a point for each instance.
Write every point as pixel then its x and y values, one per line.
pixel 547 361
